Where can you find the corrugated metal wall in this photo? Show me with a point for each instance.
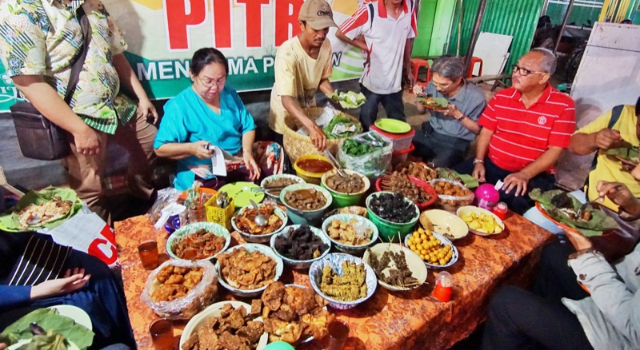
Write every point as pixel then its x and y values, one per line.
pixel 517 18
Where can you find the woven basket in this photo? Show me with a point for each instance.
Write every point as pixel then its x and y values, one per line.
pixel 297 145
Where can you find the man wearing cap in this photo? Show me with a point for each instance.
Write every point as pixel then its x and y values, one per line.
pixel 302 66
pixel 388 28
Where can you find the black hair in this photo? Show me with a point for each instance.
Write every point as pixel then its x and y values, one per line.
pixel 638 106
pixel 205 56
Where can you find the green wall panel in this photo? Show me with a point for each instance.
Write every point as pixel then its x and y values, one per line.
pixel 580 14
pixel 425 28
pixel 509 17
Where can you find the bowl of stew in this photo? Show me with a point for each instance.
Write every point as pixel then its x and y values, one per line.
pixel 312 167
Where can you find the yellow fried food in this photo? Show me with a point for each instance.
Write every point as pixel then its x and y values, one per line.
pixel 430 248
pixel 482 222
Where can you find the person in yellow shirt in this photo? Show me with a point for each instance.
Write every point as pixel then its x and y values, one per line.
pixel 605 133
pixel 302 66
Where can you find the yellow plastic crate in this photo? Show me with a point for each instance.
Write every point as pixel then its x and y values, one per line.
pixel 219 215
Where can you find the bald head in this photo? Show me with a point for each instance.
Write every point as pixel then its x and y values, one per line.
pixel 547 61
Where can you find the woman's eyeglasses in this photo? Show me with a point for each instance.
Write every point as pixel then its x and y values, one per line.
pixel 209 83
pixel 523 71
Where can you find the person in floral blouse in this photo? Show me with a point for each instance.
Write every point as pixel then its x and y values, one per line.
pixel 39 41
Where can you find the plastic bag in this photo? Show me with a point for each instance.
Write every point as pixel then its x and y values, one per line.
pixel 372 163
pixel 165 197
pixel 456 201
pixel 199 297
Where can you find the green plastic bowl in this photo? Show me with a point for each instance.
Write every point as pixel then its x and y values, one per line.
pixel 341 200
pixel 305 217
pixel 389 230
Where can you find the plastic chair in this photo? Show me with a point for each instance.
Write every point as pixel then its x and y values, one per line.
pixel 474 60
pixel 416 64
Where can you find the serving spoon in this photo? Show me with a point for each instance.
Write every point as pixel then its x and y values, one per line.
pixel 260 219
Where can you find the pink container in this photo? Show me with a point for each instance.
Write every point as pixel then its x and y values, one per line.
pixel 487 196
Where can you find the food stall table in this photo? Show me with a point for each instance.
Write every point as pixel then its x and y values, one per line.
pixel 388 320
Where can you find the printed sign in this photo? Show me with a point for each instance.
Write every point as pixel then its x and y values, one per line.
pixel 163 35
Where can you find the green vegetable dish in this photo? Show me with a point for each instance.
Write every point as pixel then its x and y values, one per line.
pixel 565 208
pixel 360 147
pixel 51 331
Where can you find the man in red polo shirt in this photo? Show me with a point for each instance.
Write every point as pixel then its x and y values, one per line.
pixel 525 128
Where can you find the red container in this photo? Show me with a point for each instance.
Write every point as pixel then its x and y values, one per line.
pixel 501 210
pixel 430 190
pixel 401 142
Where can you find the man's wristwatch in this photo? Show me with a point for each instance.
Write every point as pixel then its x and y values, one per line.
pixel 461 117
pixel 476 161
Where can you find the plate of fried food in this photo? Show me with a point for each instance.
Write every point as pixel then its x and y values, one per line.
pixel 43 209
pixel 435 103
pixel 244 222
pixel 350 233
pixel 179 289
pixel 343 280
pixel 198 241
pixel 294 314
pixel 225 325
pixel 246 270
pixel 418 170
pixel 452 193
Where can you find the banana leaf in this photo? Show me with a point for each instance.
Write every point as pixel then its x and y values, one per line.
pixel 595 226
pixel 9 221
pixel 467 180
pixel 341 126
pixel 626 151
pixel 348 100
pixel 55 325
pixel 432 102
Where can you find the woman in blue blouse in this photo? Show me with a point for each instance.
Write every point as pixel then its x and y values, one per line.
pixel 209 113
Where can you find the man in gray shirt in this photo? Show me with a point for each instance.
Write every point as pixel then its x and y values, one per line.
pixel 445 138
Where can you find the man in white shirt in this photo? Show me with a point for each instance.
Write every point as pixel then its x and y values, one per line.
pixel 388 28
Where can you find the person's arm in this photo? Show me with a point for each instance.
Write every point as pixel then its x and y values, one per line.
pixel 130 82
pixel 482 148
pixel 594 136
pixel 318 137
pixel 619 306
pixel 353 42
pixel 408 48
pixel 518 181
pixel 177 151
pixel 172 140
pixel 247 154
pixel 325 87
pixel 47 101
pixel 14 296
pixel 466 121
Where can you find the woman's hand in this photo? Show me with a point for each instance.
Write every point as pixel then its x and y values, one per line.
pixel 146 109
pixel 250 162
pixel 199 149
pixel 71 282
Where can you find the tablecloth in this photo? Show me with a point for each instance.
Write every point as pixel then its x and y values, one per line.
pixel 388 320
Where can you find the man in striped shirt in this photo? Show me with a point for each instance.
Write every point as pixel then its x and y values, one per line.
pixel 388 28
pixel 525 128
